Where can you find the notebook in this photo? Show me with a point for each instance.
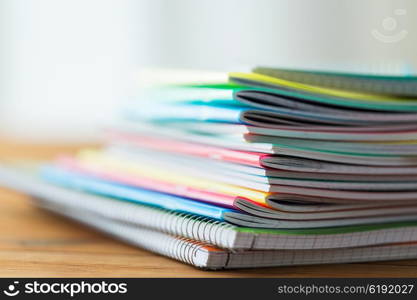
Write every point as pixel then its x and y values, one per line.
pixel 204 168
pixel 259 163
pixel 323 95
pixel 254 106
pixel 243 143
pixel 257 174
pixel 281 202
pixel 378 139
pixel 405 86
pixel 209 230
pixel 257 108
pixel 274 215
pixel 246 214
pixel 209 257
pixel 107 164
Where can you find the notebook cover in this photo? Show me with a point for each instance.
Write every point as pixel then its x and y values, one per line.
pixel 324 95
pixel 368 83
pixel 90 184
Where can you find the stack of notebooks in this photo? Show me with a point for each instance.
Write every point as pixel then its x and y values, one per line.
pixel 273 167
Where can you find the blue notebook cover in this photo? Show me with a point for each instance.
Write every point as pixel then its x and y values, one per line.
pixel 102 187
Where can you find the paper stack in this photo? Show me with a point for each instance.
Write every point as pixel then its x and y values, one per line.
pixel 274 167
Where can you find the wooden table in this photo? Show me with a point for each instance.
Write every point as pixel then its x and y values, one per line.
pixel 37 243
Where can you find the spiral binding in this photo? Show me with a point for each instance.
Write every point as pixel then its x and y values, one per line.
pixel 185 250
pixel 194 227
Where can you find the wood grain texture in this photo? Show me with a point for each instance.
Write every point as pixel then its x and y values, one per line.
pixel 35 243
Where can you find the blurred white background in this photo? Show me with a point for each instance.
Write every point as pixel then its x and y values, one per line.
pixel 65 65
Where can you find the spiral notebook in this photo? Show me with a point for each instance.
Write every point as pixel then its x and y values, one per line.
pixel 209 257
pixel 209 230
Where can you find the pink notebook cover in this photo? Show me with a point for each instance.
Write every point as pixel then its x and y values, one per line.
pixel 72 164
